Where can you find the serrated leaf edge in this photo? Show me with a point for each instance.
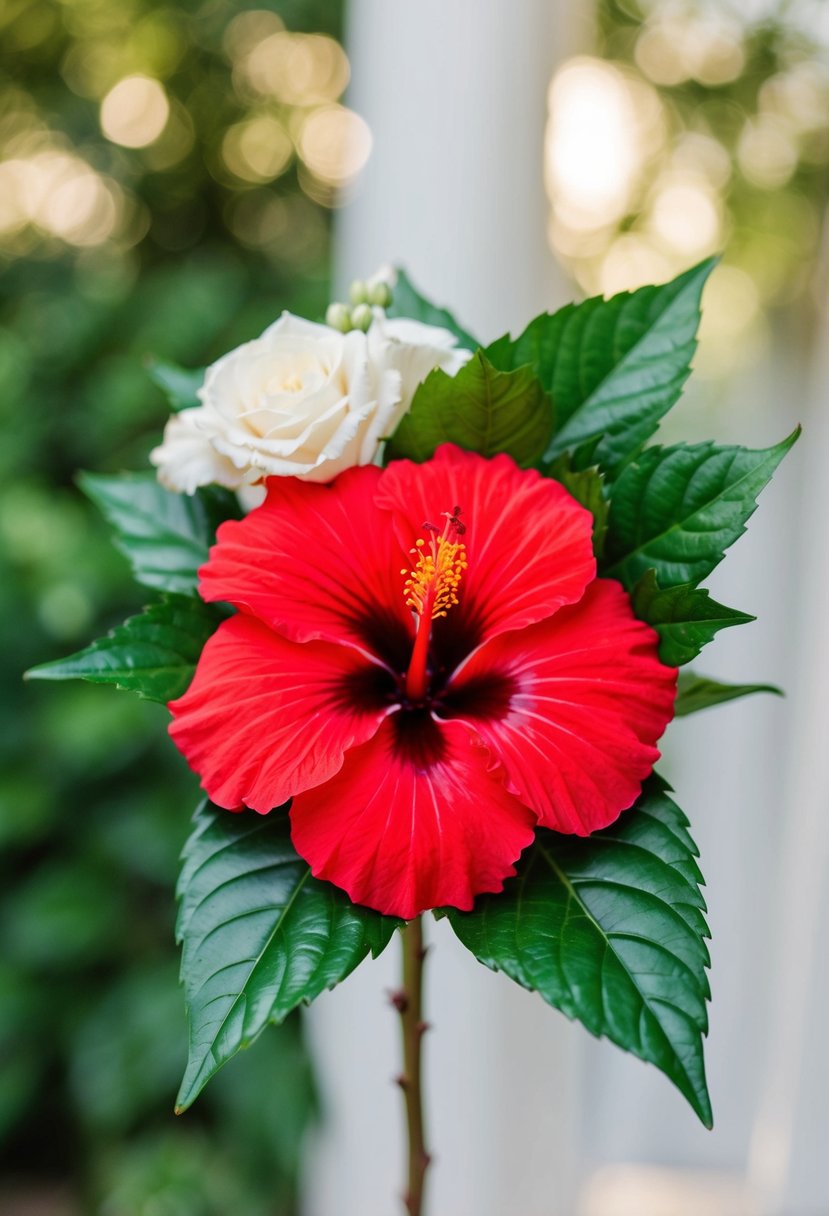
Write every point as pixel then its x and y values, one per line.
pixel 782 448
pixel 189 1090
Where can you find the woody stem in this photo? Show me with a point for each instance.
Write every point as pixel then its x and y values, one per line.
pixel 409 1004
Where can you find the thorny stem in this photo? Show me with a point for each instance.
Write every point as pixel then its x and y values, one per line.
pixel 408 1002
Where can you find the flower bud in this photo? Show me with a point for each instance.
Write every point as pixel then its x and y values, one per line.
pixel 358 292
pixel 380 295
pixel 338 316
pixel 362 317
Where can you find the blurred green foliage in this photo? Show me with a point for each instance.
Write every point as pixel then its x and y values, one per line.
pixel 94 803
pixel 698 127
pixel 751 83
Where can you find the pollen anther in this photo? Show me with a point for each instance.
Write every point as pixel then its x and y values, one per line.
pixel 431 588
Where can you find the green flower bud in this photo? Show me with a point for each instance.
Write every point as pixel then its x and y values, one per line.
pixel 358 292
pixel 380 295
pixel 338 316
pixel 362 317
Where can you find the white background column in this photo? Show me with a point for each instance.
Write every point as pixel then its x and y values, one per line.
pixel 455 95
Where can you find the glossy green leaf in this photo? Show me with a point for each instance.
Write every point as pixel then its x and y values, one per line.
pixel 480 409
pixel 686 618
pixel 259 935
pixel 587 487
pixel 698 692
pixel 154 654
pixel 408 302
pixel 165 536
pixel 179 384
pixel 610 929
pixel 612 367
pixel 676 510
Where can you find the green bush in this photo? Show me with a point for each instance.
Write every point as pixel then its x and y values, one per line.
pixel 94 803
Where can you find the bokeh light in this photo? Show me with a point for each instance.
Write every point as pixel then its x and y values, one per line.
pixel 679 42
pixel 684 215
pixel 135 111
pixel 81 209
pixel 767 151
pixel 61 194
pixel 602 129
pixel 297 69
pixel 257 150
pixel 335 144
pixel 700 128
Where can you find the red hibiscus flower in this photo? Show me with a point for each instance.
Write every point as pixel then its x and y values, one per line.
pixel 424 721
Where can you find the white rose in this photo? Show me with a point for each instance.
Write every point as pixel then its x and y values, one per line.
pixel 293 402
pixel 412 349
pixel 186 458
pixel 303 400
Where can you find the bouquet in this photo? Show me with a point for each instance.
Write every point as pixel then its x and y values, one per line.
pixel 419 613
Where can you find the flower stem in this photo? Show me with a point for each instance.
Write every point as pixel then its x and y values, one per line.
pixel 408 1003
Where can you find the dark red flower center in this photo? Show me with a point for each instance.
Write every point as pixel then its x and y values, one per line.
pixel 431 589
pixel 417 677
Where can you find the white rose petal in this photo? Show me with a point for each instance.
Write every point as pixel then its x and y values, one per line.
pixel 303 400
pixel 186 459
pixel 413 350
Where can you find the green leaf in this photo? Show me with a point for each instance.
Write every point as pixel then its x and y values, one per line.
pixel 685 617
pixel 480 409
pixel 698 692
pixel 612 367
pixel 676 510
pixel 610 929
pixel 179 384
pixel 165 536
pixel 154 654
pixel 408 302
pixel 587 487
pixel 260 935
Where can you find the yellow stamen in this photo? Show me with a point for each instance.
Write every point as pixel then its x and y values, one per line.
pixel 431 589
pixel 433 584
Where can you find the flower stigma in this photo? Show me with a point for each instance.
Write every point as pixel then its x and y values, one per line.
pixel 431 589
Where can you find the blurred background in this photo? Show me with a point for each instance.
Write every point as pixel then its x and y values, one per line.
pixel 170 176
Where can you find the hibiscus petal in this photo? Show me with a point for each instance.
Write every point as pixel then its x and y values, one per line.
pixel 572 708
pixel 529 543
pixel 317 562
pixel 413 820
pixel 265 718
